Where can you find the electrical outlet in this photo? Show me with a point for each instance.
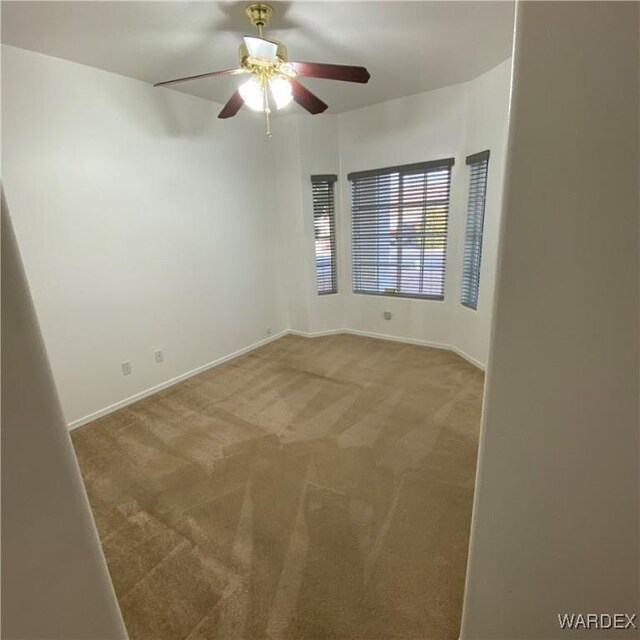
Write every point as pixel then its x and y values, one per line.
pixel 158 356
pixel 126 367
pixel 387 315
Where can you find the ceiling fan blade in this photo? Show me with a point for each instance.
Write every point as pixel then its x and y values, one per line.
pixel 227 72
pixel 232 107
pixel 305 98
pixel 331 71
pixel 261 48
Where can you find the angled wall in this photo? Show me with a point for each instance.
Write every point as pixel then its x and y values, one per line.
pixel 55 582
pixel 454 121
pixel 306 146
pixel 555 526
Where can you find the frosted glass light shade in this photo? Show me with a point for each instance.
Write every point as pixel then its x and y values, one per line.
pixel 253 95
pixel 251 92
pixel 261 48
pixel 281 91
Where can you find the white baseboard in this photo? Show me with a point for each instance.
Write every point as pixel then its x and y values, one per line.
pixel 368 334
pixel 316 334
pixel 392 338
pixel 169 383
pixel 306 334
pixel 468 358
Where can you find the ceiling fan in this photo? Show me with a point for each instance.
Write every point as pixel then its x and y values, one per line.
pixel 273 78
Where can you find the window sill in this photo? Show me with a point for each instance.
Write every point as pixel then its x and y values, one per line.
pixel 400 295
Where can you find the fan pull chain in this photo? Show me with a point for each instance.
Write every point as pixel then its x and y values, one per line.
pixel 264 90
pixel 267 110
pixel 265 85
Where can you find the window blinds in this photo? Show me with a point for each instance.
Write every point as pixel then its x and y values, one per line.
pixel 399 221
pixel 478 168
pixel 324 225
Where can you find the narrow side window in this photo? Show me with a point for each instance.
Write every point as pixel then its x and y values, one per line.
pixel 478 168
pixel 324 224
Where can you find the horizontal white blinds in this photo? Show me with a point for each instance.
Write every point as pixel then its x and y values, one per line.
pixel 478 169
pixel 325 232
pixel 399 222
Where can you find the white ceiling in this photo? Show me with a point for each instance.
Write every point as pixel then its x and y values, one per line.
pixel 408 47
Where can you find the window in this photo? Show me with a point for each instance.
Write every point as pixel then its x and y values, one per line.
pixel 478 168
pixel 399 229
pixel 324 225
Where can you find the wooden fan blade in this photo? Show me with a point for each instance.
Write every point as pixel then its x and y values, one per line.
pixel 342 72
pixel 232 107
pixel 305 98
pixel 226 72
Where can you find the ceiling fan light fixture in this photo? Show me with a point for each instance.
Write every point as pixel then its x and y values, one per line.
pixel 274 80
pixel 261 49
pixel 251 92
pixel 281 91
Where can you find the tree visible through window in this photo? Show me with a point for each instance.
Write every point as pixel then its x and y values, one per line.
pixel 399 220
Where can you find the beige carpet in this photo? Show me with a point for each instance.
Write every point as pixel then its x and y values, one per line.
pixel 313 489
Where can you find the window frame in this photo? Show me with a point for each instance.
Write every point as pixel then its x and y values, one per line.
pixel 422 169
pixel 330 181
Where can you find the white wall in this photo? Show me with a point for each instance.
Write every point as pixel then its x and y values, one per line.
pixel 145 223
pixel 306 146
pixel 486 127
pixel 455 121
pixel 426 126
pixel 555 525
pixel 55 582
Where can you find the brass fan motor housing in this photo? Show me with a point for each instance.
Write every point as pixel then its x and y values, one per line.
pixel 259 14
pixel 247 62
